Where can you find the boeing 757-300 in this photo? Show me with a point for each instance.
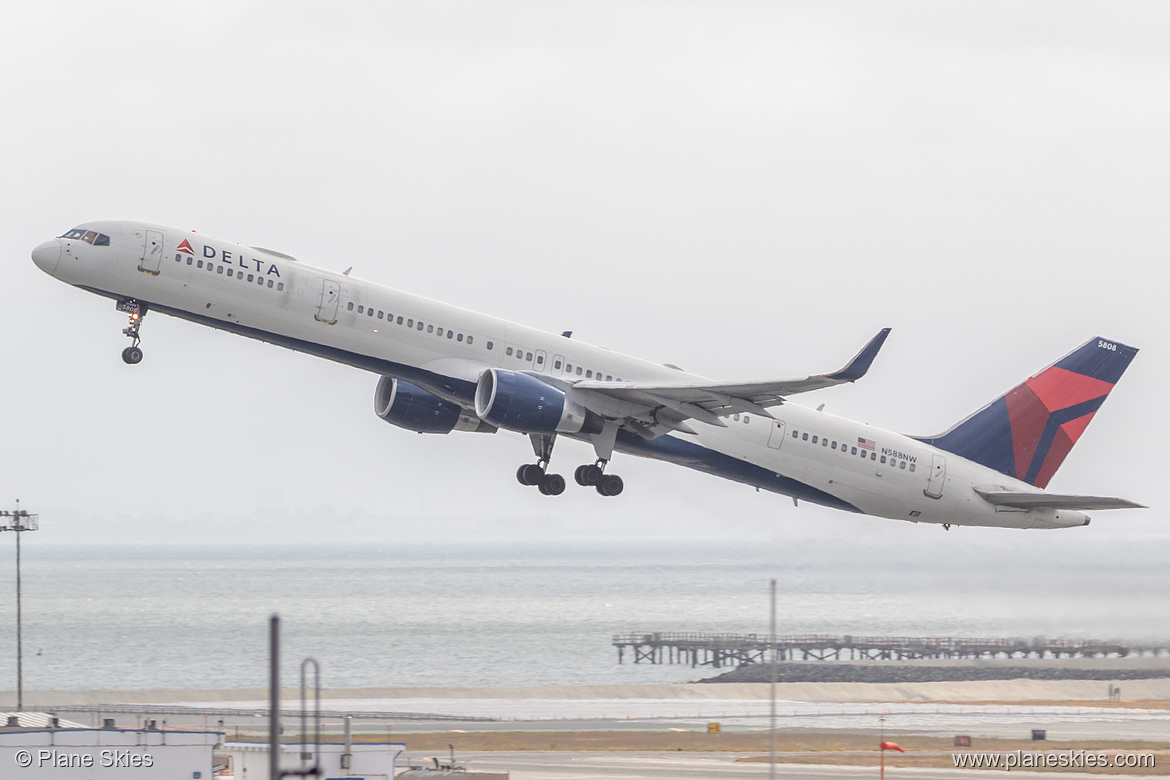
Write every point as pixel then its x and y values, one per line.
pixel 442 369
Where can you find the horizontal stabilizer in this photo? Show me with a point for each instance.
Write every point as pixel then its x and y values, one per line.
pixel 1019 500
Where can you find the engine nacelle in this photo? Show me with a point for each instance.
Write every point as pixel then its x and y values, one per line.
pixel 523 403
pixel 410 407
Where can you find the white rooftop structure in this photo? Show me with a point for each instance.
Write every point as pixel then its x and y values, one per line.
pixel 107 754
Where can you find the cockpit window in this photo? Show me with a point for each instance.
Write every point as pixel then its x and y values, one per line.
pixel 88 236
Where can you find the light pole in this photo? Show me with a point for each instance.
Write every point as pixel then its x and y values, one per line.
pixel 772 689
pixel 18 521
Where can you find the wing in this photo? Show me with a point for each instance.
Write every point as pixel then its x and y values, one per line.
pixel 1053 500
pixel 669 405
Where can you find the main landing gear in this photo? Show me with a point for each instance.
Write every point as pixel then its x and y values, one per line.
pixel 593 475
pixel 588 475
pixel 534 473
pixel 132 354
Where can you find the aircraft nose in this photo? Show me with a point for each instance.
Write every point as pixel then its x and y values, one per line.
pixel 46 255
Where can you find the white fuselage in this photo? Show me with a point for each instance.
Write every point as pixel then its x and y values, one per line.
pixel 801 452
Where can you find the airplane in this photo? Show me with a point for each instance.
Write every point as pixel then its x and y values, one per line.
pixel 444 369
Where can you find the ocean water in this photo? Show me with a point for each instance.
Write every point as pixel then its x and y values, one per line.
pixel 193 616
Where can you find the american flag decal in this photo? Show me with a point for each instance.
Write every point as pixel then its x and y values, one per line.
pixel 865 444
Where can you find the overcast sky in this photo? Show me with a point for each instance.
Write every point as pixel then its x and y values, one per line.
pixel 749 190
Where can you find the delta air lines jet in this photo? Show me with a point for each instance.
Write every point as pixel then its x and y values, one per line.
pixel 444 369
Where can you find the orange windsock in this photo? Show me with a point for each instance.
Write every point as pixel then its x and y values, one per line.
pixel 892 746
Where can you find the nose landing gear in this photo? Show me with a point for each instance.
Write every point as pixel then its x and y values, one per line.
pixel 132 355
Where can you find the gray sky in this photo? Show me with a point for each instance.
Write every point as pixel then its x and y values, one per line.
pixel 749 190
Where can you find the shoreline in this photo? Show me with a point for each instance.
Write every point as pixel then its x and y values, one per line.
pixel 990 691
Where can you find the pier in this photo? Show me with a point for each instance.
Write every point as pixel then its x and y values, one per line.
pixel 719 650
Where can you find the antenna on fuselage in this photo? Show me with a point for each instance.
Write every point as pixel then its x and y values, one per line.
pixel 567 334
pixel 346 271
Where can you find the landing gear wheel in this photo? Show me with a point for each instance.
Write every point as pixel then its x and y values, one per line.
pixel 588 475
pixel 552 485
pixel 610 485
pixel 132 354
pixel 529 474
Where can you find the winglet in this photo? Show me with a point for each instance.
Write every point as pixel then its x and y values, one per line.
pixel 860 364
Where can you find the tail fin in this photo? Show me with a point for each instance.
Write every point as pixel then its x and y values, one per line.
pixel 1027 433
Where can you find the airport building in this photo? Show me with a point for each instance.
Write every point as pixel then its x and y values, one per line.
pixel 57 752
pixel 372 760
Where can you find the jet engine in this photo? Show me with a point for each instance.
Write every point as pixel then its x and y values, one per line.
pixel 523 403
pixel 410 407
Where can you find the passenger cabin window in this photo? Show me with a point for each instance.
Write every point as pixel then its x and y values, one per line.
pixel 509 352
pixel 489 344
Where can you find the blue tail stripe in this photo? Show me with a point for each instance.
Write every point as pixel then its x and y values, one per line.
pixel 1055 420
pixel 985 437
pixel 1099 358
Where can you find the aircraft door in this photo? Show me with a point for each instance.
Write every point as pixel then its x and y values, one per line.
pixel 776 436
pixel 938 477
pixel 330 299
pixel 541 360
pixel 558 365
pixel 152 249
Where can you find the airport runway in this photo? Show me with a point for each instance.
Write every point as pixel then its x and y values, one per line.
pixel 529 765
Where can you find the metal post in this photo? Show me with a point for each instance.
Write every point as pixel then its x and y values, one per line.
pixel 21 521
pixel 881 745
pixel 19 649
pixel 772 730
pixel 274 698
